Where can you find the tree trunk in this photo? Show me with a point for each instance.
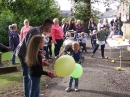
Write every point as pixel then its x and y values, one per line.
pixel 88 15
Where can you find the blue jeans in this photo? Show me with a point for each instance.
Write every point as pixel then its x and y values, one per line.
pixel 34 87
pixel 76 82
pixel 93 45
pixel 120 32
pixel 13 58
pixel 47 53
pixel 26 77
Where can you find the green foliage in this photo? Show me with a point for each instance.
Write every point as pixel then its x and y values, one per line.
pixel 83 10
pixel 15 11
pixel 6 18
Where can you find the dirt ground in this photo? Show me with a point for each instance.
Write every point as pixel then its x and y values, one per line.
pixel 99 79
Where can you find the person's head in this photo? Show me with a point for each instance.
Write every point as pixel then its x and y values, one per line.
pixel 119 18
pixel 26 22
pixel 72 21
pixel 10 27
pixel 14 27
pixel 100 21
pixel 91 21
pixel 36 43
pixel 75 46
pixel 68 34
pixel 94 32
pixel 56 21
pixel 46 25
pixel 114 24
pixel 105 20
pixel 82 33
pixel 78 22
pixel 63 20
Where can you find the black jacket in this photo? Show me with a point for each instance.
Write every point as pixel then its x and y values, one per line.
pixel 37 70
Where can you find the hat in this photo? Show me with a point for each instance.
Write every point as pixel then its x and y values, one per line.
pixel 102 26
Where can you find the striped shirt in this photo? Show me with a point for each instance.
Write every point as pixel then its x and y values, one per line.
pixel 22 46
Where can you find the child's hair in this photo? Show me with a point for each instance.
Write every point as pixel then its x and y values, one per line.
pixel 14 26
pixel 10 27
pixel 32 50
pixel 75 44
pixel 82 33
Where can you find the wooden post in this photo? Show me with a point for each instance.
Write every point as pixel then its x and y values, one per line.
pixel 0 58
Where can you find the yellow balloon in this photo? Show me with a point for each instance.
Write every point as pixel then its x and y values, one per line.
pixel 64 66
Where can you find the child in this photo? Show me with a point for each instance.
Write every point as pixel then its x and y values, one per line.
pixel 34 61
pixel 94 38
pixel 46 40
pixel 50 45
pixel 100 41
pixel 13 41
pixel 111 33
pixel 83 39
pixel 76 55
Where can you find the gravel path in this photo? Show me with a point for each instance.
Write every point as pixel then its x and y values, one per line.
pixel 99 79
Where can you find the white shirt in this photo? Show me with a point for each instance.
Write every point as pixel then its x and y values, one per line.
pixel 99 26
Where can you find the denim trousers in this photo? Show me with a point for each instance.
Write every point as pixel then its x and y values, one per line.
pixel 34 86
pixel 26 77
pixel 13 58
pixel 120 32
pixel 47 53
pixel 71 80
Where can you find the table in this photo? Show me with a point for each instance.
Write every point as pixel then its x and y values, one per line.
pixel 114 44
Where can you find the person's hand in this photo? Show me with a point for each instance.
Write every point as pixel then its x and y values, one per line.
pixel 54 42
pixel 52 75
pixel 43 52
pixel 46 64
pixel 9 48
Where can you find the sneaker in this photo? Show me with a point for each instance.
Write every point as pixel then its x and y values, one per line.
pixel 15 63
pixel 102 57
pixel 68 89
pixel 41 95
pixel 92 55
pixel 76 89
pixel 56 57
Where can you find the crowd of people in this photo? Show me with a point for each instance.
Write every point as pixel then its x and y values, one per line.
pixel 33 46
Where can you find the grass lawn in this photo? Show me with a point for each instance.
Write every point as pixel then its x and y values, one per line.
pixel 12 82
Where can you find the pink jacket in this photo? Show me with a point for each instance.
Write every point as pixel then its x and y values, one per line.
pixel 56 32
